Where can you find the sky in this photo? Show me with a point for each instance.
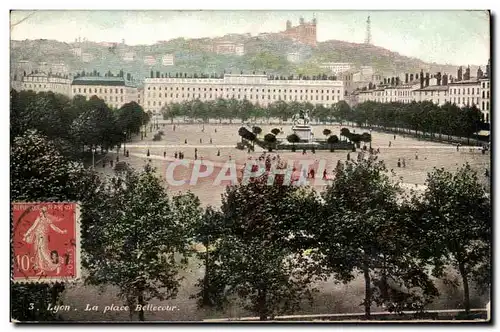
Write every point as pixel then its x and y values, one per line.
pixel 445 37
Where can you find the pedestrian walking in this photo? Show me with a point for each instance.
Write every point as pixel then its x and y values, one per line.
pixel 487 173
pixel 195 150
pixel 210 141
pixel 104 164
pixel 303 151
pixel 195 156
pixel 348 156
pixel 313 150
pixel 312 173
pixel 416 155
pixel 175 155
pixel 164 154
pixel 404 162
pixel 394 137
pixel 111 163
pixel 378 150
pixel 390 143
pixel 148 154
pixel 117 159
pixel 200 140
pixel 127 153
pixel 174 127
pixel 457 147
pixel 324 174
pixel 185 141
pixel 399 162
pixel 215 129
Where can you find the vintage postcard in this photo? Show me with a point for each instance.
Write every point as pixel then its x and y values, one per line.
pixel 265 166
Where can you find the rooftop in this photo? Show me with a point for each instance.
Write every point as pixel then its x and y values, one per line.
pixel 434 88
pixel 471 81
pixel 98 80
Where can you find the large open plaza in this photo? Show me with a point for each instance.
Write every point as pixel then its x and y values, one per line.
pixel 224 137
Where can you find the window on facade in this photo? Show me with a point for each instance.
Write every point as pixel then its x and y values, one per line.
pixel 268 96
pixel 121 91
pixel 149 103
pixel 316 97
pixel 182 88
pixel 116 90
pixel 463 91
pixel 176 95
pixel 327 97
pixel 121 99
pixel 171 88
pixel 105 90
pixel 487 94
pixel 487 106
pixel 154 88
pixel 84 90
pixel 284 97
pixel 171 95
pixel 262 96
pixel 154 103
pixel 105 98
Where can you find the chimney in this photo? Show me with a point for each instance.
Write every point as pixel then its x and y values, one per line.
pixel 488 68
pixel 385 80
pixel 416 76
pixel 438 78
pixel 411 77
pixel 421 81
pixel 467 73
pixel 392 80
pixel 445 79
pixel 427 77
pixel 459 73
pixel 479 73
pixel 397 80
pixel 406 78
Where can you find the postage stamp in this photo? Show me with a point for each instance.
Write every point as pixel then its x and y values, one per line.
pixel 45 241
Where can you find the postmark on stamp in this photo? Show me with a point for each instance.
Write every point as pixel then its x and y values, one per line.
pixel 45 241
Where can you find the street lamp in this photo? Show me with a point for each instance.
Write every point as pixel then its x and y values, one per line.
pixel 93 158
pixel 371 138
pixel 124 141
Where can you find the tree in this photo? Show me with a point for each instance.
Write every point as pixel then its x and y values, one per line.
pixel 257 130
pixel 361 209
pixel 136 231
pixel 208 230
pixel 130 118
pixel 39 172
pixel 259 256
pixel 331 140
pixel 270 140
pixel 342 111
pixel 453 220
pixel 275 131
pixel 246 134
pixel 327 132
pixel 344 132
pixel 293 138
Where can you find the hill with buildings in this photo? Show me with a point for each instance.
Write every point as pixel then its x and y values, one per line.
pixel 231 53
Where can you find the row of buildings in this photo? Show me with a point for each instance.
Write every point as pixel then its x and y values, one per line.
pixel 464 90
pixel 263 90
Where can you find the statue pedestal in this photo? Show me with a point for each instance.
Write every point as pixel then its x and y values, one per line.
pixel 304 132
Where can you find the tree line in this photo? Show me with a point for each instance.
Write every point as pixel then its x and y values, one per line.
pixel 244 110
pixel 74 124
pixel 416 117
pixel 419 117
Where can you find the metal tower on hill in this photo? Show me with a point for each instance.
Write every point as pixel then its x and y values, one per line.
pixel 368 39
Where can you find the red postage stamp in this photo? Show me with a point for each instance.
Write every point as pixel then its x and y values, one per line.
pixel 45 241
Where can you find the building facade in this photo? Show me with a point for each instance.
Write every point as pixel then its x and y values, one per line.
pixel 465 93
pixel 437 94
pixel 228 47
pixel 43 82
pixel 305 32
pixel 167 60
pixel 115 91
pixel 257 89
pixel 484 98
pixel 336 67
